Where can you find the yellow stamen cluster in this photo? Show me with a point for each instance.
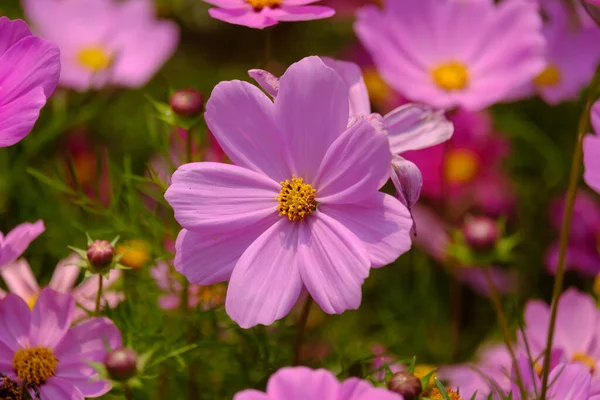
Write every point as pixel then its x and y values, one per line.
pixel 94 58
pixel 260 4
pixel 296 199
pixel 585 360
pixel 378 89
pixel 31 301
pixel 549 77
pixel 461 165
pixel 451 76
pixel 435 394
pixel 35 364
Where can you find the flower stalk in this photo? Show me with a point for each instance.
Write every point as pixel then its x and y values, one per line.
pixel 98 295
pixel 301 330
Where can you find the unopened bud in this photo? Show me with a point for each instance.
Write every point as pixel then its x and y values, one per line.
pixel 121 364
pixel 405 384
pixel 100 254
pixel 187 102
pixel 593 9
pixel 481 233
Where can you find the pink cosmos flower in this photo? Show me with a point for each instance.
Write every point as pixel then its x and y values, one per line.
pixel 591 151
pixel 260 14
pixel 583 253
pixel 21 281
pixel 432 51
pixel 16 241
pixel 301 383
pixel 29 73
pixel 104 42
pixel 577 335
pixel 299 209
pixel 40 347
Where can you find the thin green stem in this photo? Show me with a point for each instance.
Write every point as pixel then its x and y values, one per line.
pixel 302 330
pixel 576 168
pixel 98 295
pixel 128 392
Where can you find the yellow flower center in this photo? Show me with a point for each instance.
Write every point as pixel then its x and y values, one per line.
pixel 450 76
pixel 461 165
pixel 95 58
pixel 378 89
pixel 549 77
pixel 586 360
pixel 296 199
pixel 435 394
pixel 35 364
pixel 136 253
pixel 260 4
pixel 31 301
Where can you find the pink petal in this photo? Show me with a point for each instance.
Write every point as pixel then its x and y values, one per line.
pixel 536 317
pixel 299 13
pixel 15 320
pixel 576 321
pixel 266 80
pixel 333 263
pixel 209 258
pixel 381 222
pixel 569 382
pixel 356 165
pixel 244 16
pixel 352 388
pixel 251 394
pixel 88 341
pixel 51 318
pixel 18 117
pixel 65 274
pixel 352 76
pixel 407 180
pixel 220 198
pixel 59 389
pixel 265 283
pixel 301 383
pixel 241 118
pixel 591 160
pixel 17 240
pixel 595 117
pixel 20 280
pixel 432 235
pixel 84 378
pixel 230 4
pixel 11 32
pixel 378 394
pixel 311 109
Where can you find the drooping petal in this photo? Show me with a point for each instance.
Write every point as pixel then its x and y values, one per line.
pixel 17 240
pixel 220 198
pixel 312 110
pixel 15 320
pixel 266 80
pixel 333 263
pixel 265 283
pixel 415 127
pixel 300 383
pixel 242 16
pixel 299 13
pixel 591 160
pixel 59 389
pixel 356 165
pixel 88 341
pixel 407 180
pixel 51 318
pixel 20 280
pixel 381 222
pixel 352 76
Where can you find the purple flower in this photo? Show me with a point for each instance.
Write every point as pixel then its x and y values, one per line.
pixel 432 51
pixel 16 241
pixel 104 42
pixel 591 151
pixel 300 207
pixel 260 14
pixel 29 71
pixel 39 346
pixel 301 383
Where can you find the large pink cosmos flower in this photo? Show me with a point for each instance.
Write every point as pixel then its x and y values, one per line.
pixel 21 281
pixel 16 241
pixel 301 383
pixel 301 207
pixel 29 71
pixel 432 51
pixel 260 14
pixel 591 151
pixel 39 346
pixel 104 42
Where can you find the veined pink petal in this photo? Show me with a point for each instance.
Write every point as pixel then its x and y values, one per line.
pixel 332 262
pixel 251 139
pixel 230 4
pixel 84 378
pixel 220 198
pixel 51 318
pixel 15 319
pixel 251 394
pixel 352 76
pixel 88 341
pixel 265 283
pixel 11 32
pixel 65 274
pixel 591 160
pixel 266 80
pixel 302 383
pixel 576 317
pixel 18 117
pixel 569 382
pixel 356 165
pixel 242 16
pixel 20 280
pixel 311 109
pixel 299 13
pixel 381 222
pixel 59 389
pixel 17 240
pixel 537 317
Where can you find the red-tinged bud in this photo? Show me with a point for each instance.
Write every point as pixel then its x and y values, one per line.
pixel 100 255
pixel 187 102
pixel 405 384
pixel 121 364
pixel 481 233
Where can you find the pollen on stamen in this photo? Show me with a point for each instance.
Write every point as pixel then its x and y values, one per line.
pixel 260 4
pixel 451 76
pixel 296 199
pixel 34 364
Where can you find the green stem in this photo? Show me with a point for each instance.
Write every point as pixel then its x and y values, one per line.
pixel 576 167
pixel 302 330
pixel 98 295
pixel 128 392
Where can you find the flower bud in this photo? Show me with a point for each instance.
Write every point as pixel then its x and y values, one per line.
pixel 121 364
pixel 593 9
pixel 481 233
pixel 187 102
pixel 100 254
pixel 405 384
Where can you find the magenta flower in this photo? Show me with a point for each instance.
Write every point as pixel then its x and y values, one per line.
pixel 301 207
pixel 577 335
pixel 16 241
pixel 260 14
pixel 104 42
pixel 39 346
pixel 21 281
pixel 302 383
pixel 432 52
pixel 591 151
pixel 582 251
pixel 29 73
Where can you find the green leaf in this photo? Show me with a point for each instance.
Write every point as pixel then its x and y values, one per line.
pixel 474 395
pixel 441 388
pixel 411 367
pixel 425 380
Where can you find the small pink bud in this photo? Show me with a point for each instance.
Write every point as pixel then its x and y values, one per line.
pixel 121 364
pixel 187 102
pixel 100 254
pixel 405 384
pixel 481 233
